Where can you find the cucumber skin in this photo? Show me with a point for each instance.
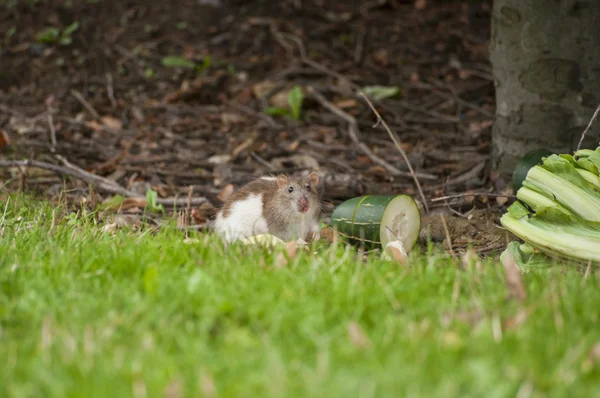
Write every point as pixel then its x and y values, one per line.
pixel 362 210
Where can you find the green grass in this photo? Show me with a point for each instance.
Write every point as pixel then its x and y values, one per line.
pixel 86 313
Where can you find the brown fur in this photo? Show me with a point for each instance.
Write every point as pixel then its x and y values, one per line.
pixel 277 199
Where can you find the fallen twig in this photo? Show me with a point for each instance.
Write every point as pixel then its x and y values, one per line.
pixel 100 183
pixel 594 116
pixel 52 131
pixel 353 133
pixel 448 237
pixel 85 104
pixel 397 143
pixel 110 90
pixel 462 195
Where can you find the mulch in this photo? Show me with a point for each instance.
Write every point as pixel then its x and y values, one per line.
pixel 186 98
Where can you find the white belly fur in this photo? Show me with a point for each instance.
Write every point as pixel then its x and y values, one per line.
pixel 245 219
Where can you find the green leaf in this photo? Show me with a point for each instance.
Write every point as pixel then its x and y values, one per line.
pixel 517 210
pixel 114 202
pixel 177 62
pixel 381 92
pixel 526 257
pixel 557 178
pixel 557 235
pixel 65 41
pixel 295 99
pixel 152 199
pixel 68 31
pixel 276 111
pixel 48 35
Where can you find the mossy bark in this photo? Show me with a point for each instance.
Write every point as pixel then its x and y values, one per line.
pixel 545 56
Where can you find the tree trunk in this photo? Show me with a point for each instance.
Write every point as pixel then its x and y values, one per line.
pixel 545 56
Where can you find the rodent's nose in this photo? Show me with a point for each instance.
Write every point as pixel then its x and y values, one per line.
pixel 303 204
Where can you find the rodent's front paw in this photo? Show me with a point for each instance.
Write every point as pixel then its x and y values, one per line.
pixel 315 236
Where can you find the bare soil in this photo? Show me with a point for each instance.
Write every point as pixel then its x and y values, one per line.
pixel 111 101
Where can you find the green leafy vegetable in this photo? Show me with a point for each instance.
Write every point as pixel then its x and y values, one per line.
pixel 526 257
pixel 558 212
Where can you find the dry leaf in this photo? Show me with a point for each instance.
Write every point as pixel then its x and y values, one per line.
pixel 281 261
pixel 470 259
pixel 130 203
pixel 502 200
pixel 346 103
pixel 94 125
pixel 225 193
pixel 471 318
pixel 173 390
pixel 111 122
pixel 293 147
pixel 357 335
pixel 517 320
pixel 219 159
pixel 592 358
pixel 243 146
pixel 207 385
pixel 382 57
pixel 464 74
pixel 261 89
pixel 230 118
pixel 420 4
pixel 291 249
pixel 514 281
pixel 595 352
pixel 470 198
pixel 4 139
pixel 327 234
pixel 280 99
pixel 109 227
pixel 49 101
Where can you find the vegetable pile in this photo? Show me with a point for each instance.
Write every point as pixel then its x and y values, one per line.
pixel 558 209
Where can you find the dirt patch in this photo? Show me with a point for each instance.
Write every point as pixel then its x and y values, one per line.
pixel 189 95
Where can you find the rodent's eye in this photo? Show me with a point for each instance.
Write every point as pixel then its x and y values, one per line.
pixel 308 187
pixel 291 189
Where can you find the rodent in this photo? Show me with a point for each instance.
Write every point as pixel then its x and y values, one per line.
pixel 288 208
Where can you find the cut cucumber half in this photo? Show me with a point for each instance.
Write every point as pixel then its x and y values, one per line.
pixel 530 159
pixel 375 220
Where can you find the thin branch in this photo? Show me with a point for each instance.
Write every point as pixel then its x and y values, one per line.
pixel 262 161
pixel 594 116
pixel 353 132
pixel 462 195
pixel 100 183
pixel 447 235
pixel 85 104
pixel 110 90
pixel 52 131
pixel 397 143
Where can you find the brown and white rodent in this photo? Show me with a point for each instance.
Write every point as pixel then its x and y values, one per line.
pixel 288 208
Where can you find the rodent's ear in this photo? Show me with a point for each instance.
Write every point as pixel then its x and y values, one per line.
pixel 282 181
pixel 314 178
